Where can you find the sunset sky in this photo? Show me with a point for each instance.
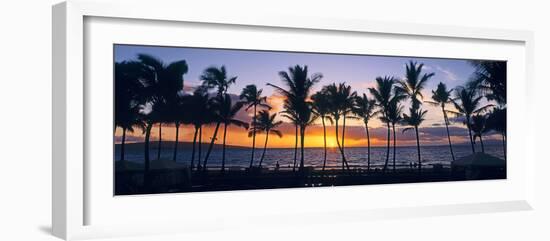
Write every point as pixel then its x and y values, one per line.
pixel 261 67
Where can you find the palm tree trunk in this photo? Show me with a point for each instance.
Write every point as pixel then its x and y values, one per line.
pixel 223 147
pixel 324 142
pixel 343 139
pixel 470 134
pixel 368 147
pixel 295 148
pixel 211 145
pixel 482 146
pixel 265 148
pixel 146 146
pixel 302 137
pixel 253 137
pixel 146 178
pixel 394 144
pixel 160 141
pixel 418 149
pixel 344 161
pixel 338 141
pixel 387 149
pixel 122 143
pixel 448 133
pixel 343 134
pixel 200 149
pixel 194 145
pixel 176 142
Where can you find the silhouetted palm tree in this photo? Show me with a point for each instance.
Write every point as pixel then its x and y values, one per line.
pixel 216 78
pixel 497 122
pixel 478 126
pixel 163 85
pixel 228 111
pixel 414 82
pixel 153 111
pixel 365 109
pixel 321 107
pixel 415 119
pixel 395 110
pixel 293 117
pixel 131 121
pixel 383 93
pixel 178 115
pixel 441 97
pixel 341 100
pixel 346 100
pixel 307 118
pixel 198 113
pixel 164 116
pixel 467 101
pixel 215 106
pixel 127 99
pixel 299 86
pixel 253 98
pixel 490 78
pixel 267 124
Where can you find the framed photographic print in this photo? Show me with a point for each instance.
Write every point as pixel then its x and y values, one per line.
pixel 158 117
pixel 380 109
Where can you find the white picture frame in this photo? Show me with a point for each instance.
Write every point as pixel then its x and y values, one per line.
pixel 71 190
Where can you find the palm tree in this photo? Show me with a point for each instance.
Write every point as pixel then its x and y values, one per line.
pixel 414 82
pixel 198 114
pixel 253 98
pixel 490 78
pixel 228 111
pixel 216 78
pixel 365 109
pixel 321 107
pixel 478 126
pixel 441 97
pixel 155 113
pixel 178 116
pixel 299 86
pixel 346 99
pixel 215 105
pixel 395 111
pixel 162 85
pixel 128 123
pixel 293 117
pixel 383 93
pixel 127 99
pixel 497 122
pixel 415 119
pixel 307 118
pixel 467 101
pixel 267 124
pixel 341 100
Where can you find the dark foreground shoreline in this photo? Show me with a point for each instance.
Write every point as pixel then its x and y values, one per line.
pixel 130 182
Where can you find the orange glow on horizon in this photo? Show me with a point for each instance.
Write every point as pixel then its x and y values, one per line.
pixel 239 137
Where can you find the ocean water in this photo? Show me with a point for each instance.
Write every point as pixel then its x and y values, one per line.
pixel 356 156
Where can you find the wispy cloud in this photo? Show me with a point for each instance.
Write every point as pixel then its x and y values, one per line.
pixel 448 73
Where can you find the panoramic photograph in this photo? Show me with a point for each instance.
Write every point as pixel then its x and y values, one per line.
pixel 190 119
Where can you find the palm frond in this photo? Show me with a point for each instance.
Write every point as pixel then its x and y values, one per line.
pixel 407 129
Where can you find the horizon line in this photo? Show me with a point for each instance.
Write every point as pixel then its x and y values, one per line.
pixel 490 143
